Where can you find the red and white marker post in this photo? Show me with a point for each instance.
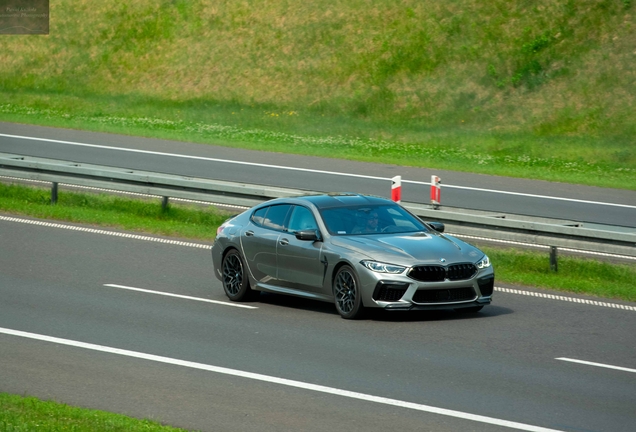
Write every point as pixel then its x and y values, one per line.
pixel 436 191
pixel 396 189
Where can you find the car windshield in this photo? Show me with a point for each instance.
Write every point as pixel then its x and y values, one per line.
pixel 370 219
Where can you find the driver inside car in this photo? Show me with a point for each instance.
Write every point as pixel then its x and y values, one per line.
pixel 370 225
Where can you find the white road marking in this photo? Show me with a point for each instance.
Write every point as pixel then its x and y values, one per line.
pixel 565 298
pixel 104 232
pixel 238 305
pixel 281 167
pixel 281 381
pixel 596 364
pixel 534 195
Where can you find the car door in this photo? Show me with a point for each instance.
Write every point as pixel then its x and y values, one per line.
pixel 260 240
pixel 299 261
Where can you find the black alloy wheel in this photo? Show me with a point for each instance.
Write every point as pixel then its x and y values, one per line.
pixel 235 281
pixel 346 290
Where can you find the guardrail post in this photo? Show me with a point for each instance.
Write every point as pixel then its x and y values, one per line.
pixel 553 259
pixel 54 193
pixel 164 203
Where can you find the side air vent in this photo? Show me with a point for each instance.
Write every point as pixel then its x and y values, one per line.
pixel 389 291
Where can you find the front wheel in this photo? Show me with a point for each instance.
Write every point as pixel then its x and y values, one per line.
pixel 346 289
pixel 235 281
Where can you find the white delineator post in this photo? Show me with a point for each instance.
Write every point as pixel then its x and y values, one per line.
pixel 396 189
pixel 436 192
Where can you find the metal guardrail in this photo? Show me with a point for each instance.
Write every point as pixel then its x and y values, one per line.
pixel 563 234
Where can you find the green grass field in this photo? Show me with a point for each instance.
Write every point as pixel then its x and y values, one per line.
pixel 536 90
pixel 24 414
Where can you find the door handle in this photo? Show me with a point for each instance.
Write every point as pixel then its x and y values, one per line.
pixel 284 242
pixel 249 233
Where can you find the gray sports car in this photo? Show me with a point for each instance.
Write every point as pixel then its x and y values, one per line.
pixel 354 250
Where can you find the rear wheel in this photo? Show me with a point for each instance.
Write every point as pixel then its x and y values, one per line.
pixel 235 281
pixel 346 289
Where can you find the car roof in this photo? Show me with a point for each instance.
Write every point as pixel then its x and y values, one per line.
pixel 343 200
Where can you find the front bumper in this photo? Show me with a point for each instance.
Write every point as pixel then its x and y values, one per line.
pixel 399 292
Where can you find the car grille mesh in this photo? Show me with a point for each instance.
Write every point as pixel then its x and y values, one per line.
pixel 436 273
pixel 388 293
pixel 444 295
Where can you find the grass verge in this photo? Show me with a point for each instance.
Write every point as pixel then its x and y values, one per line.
pixel 575 275
pixel 581 276
pixel 29 414
pixel 593 161
pixel 186 221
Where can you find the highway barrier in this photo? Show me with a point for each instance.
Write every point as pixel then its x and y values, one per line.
pixel 499 227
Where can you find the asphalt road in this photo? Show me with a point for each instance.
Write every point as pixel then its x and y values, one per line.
pixel 543 199
pixel 500 364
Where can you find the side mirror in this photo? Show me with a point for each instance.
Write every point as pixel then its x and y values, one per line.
pixel 307 235
pixel 437 226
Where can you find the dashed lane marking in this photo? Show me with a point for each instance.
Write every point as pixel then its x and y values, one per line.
pixel 566 298
pixel 185 297
pixel 588 363
pixel 104 232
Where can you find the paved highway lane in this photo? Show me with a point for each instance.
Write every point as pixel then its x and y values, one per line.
pixel 500 364
pixel 579 203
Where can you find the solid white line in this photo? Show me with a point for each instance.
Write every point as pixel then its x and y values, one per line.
pixel 313 171
pixel 280 381
pixel 597 364
pixel 195 157
pixel 181 296
pixel 527 195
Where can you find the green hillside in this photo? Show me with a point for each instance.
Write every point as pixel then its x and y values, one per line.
pixel 539 89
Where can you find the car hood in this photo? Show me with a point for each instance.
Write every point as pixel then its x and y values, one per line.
pixel 410 249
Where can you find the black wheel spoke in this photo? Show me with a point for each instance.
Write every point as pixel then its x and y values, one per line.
pixel 232 274
pixel 345 291
pixel 235 280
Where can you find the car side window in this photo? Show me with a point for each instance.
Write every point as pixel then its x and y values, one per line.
pixel 301 219
pixel 276 216
pixel 259 216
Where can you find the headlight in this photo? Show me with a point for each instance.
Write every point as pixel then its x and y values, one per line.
pixel 483 263
pixel 382 267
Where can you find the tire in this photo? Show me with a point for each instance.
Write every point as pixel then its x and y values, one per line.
pixel 346 290
pixel 473 309
pixel 235 280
